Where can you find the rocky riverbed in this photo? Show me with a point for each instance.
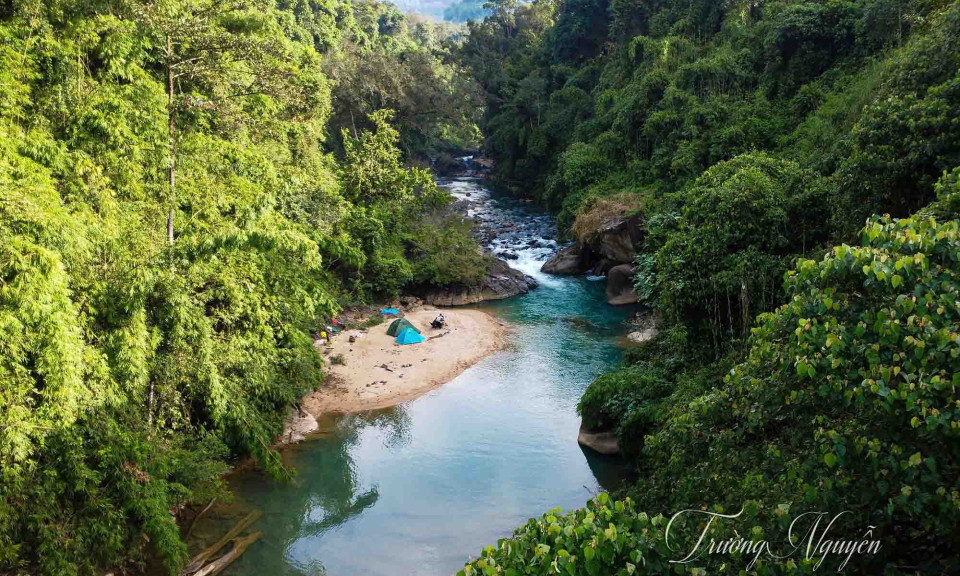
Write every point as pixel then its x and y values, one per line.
pixel 507 233
pixel 503 235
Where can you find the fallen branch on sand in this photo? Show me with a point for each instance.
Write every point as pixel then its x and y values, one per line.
pixel 439 335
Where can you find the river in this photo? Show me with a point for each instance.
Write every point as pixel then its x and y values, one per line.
pixel 418 488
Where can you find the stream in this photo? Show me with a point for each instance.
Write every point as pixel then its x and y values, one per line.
pixel 418 488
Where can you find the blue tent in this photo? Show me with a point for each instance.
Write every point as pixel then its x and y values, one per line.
pixel 409 336
pixel 386 311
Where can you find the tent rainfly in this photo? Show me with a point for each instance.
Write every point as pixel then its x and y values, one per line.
pixel 409 336
pixel 398 325
pixel 389 311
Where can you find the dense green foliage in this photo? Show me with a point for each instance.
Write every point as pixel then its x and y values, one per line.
pixel 593 98
pixel 606 537
pixel 806 361
pixel 404 64
pixel 845 400
pixel 173 226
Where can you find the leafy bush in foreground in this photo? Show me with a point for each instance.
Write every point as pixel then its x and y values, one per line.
pixel 606 537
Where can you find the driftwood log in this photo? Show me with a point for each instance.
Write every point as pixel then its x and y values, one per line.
pixel 239 545
pixel 196 565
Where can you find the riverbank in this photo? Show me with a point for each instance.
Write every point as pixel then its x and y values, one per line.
pixel 374 372
pixel 385 492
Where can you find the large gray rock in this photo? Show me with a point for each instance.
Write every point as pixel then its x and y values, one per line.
pixel 620 286
pixel 297 427
pixel 602 442
pixel 618 240
pixel 570 260
pixel 614 244
pixel 501 282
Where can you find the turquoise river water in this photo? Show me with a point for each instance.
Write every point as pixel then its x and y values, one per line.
pixel 419 488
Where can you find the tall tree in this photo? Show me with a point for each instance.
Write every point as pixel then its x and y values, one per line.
pixel 210 52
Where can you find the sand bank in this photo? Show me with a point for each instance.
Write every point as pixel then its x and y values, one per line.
pixel 378 373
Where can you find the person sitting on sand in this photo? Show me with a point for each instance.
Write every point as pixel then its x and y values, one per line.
pixel 438 321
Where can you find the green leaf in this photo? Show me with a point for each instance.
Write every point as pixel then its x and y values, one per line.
pixel 915 459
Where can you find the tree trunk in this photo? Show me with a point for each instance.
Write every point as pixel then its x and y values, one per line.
pixel 173 145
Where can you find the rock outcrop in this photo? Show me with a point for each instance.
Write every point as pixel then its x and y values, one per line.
pixel 569 260
pixel 617 241
pixel 298 426
pixel 501 282
pixel 647 326
pixel 602 442
pixel 610 252
pixel 641 336
pixel 620 286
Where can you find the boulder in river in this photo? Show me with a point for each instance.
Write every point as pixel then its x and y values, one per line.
pixel 569 260
pixel 618 240
pixel 602 442
pixel 501 282
pixel 620 285
pixel 614 244
pixel 602 267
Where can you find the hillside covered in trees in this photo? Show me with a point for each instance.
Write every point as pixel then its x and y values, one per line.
pixel 188 189
pixel 793 166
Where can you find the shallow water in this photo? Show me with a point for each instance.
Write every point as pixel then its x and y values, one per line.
pixel 418 488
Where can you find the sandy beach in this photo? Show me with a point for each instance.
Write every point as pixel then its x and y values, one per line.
pixel 378 373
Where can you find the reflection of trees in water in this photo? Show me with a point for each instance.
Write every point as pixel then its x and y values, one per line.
pixel 324 492
pixel 327 480
pixel 334 517
pixel 394 423
pixel 611 472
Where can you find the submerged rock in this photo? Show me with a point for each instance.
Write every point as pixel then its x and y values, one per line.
pixel 620 286
pixel 501 282
pixel 569 260
pixel 602 442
